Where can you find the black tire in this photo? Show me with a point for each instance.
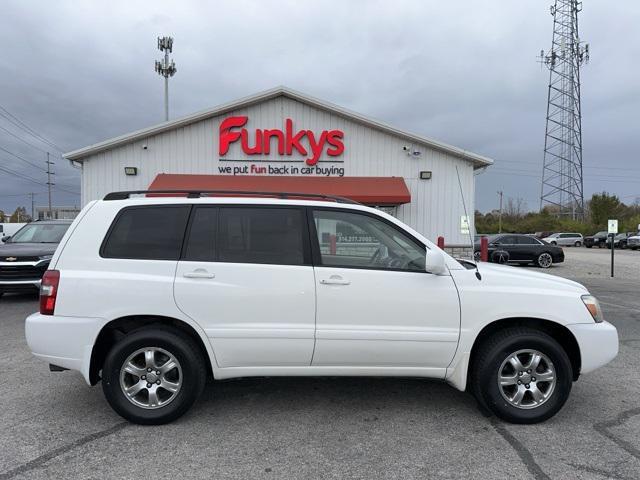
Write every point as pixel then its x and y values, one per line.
pixel 485 370
pixel 589 246
pixel 577 244
pixel 185 351
pixel 544 260
pixel 500 256
pixel 553 242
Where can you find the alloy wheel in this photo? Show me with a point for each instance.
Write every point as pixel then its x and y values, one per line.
pixel 151 377
pixel 526 379
pixel 545 260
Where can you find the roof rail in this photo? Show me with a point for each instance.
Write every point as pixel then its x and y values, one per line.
pixel 243 193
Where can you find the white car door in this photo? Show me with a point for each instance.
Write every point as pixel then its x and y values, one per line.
pixel 376 305
pixel 246 278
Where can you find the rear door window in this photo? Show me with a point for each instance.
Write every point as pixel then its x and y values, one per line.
pixel 200 245
pixel 261 235
pixel 147 233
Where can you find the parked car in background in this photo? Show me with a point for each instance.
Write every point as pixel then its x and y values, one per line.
pixel 521 249
pixel 153 296
pixel 597 240
pixel 8 229
pixel 542 235
pixel 565 239
pixel 633 242
pixel 25 256
pixel 620 240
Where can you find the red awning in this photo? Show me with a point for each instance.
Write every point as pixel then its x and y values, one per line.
pixel 367 190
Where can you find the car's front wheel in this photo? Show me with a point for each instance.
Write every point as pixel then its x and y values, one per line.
pixel 522 375
pixel 544 260
pixel 153 375
pixel 577 244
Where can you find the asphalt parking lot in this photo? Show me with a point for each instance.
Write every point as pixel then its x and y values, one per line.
pixel 55 426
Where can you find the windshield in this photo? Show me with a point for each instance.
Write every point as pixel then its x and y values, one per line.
pixel 40 233
pixel 554 235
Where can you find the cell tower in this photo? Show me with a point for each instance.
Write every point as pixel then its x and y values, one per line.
pixel 562 186
pixel 166 69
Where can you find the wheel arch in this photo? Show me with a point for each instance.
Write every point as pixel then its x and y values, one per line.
pixel 119 327
pixel 558 332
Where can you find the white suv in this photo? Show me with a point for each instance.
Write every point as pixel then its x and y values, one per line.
pixel 153 295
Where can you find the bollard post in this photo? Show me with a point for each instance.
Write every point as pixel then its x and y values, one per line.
pixel 484 249
pixel 333 245
pixel 441 242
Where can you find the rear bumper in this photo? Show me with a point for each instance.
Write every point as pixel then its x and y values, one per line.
pixel 598 344
pixel 63 341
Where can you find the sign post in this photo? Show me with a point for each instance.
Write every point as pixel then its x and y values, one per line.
pixel 612 230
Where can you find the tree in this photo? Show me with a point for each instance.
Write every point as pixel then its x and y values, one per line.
pixel 603 207
pixel 20 216
pixel 2 216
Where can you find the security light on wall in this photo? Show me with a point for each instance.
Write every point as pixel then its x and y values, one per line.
pixel 426 175
pixel 130 170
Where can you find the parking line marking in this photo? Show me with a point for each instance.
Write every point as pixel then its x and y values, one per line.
pixel 42 459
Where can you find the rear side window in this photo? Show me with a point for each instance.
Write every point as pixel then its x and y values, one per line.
pixel 200 246
pixel 260 235
pixel 147 233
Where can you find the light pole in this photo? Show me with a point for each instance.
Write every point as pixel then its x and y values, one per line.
pixel 500 214
pixel 166 69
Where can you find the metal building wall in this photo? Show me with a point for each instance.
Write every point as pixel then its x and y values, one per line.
pixel 436 206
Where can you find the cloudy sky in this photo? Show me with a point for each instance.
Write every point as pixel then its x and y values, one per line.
pixel 463 72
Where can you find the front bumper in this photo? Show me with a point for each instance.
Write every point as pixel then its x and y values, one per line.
pixel 63 341
pixel 598 344
pixel 20 285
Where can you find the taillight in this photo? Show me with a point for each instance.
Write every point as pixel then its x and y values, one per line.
pixel 49 291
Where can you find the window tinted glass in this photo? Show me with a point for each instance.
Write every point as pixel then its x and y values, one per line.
pixel 40 233
pixel 356 240
pixel 201 242
pixel 260 235
pixel 508 240
pixel 527 241
pixel 153 232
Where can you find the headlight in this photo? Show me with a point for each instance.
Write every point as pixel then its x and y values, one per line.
pixel 593 306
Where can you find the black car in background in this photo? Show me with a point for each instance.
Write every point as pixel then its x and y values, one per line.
pixel 25 256
pixel 598 240
pixel 620 240
pixel 522 249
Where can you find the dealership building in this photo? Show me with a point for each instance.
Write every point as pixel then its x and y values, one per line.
pixel 281 140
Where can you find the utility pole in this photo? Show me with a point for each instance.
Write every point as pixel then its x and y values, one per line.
pixel 166 69
pixel 500 214
pixel 49 184
pixel 32 195
pixel 562 184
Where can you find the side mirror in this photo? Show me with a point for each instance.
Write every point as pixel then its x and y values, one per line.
pixel 434 262
pixel 6 239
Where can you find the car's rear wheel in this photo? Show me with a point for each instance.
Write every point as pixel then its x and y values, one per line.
pixel 522 375
pixel 544 260
pixel 153 375
pixel 500 256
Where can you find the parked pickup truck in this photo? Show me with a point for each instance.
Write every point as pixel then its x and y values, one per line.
pixel 598 240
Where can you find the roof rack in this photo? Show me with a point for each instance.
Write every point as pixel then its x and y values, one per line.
pixel 244 193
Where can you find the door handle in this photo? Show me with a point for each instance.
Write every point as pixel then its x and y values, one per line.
pixel 199 273
pixel 335 280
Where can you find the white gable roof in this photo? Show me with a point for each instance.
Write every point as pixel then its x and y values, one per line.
pixel 78 155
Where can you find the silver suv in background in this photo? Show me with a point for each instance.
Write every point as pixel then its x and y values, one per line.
pixel 565 239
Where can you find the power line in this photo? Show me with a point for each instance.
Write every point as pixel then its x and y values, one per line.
pixel 23 126
pixel 22 139
pixel 22 159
